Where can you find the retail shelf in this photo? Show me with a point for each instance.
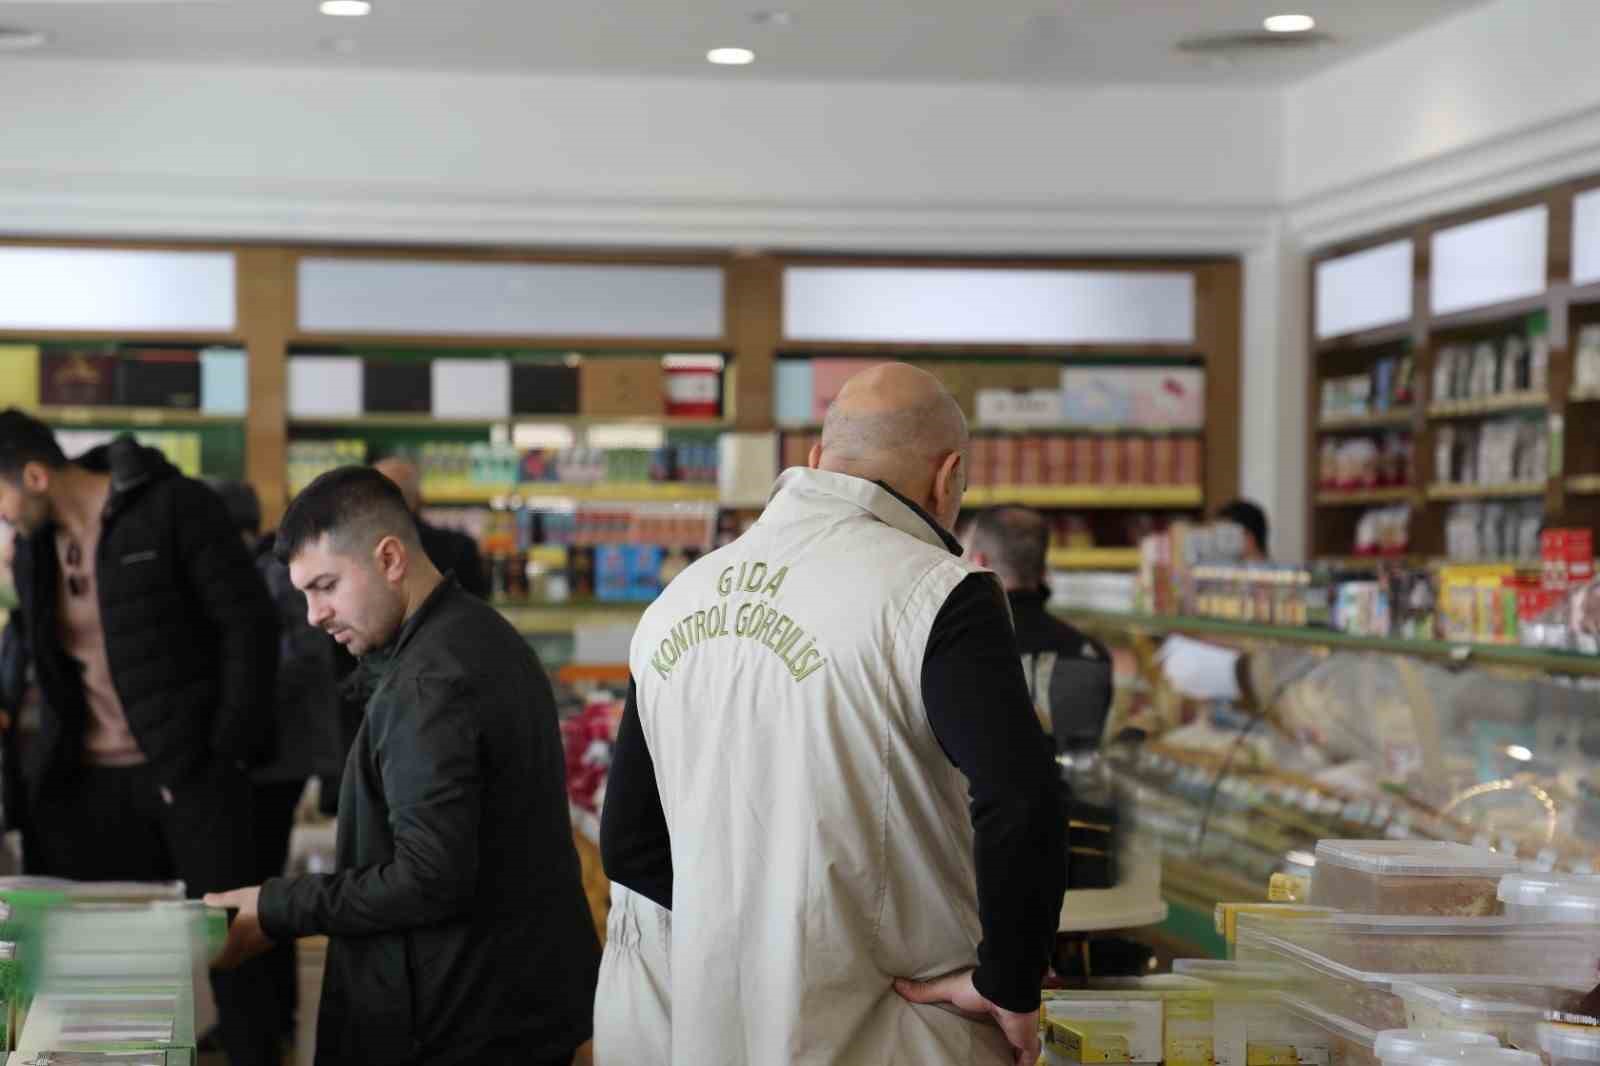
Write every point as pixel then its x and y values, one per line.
pixel 1584 485
pixel 1357 497
pixel 640 492
pixel 424 421
pixel 1377 337
pixel 1094 559
pixel 1490 405
pixel 136 416
pixel 546 619
pixel 1087 496
pixel 1498 317
pixel 1584 394
pixel 1395 416
pixel 1075 429
pixel 1559 662
pixel 1357 562
pixel 1509 491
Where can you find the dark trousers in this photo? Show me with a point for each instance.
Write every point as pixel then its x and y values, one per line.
pixel 127 824
pixel 275 802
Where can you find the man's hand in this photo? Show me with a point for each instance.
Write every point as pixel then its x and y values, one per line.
pixel 956 992
pixel 245 938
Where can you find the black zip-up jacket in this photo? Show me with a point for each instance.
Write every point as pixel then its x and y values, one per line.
pixel 457 917
pixel 190 632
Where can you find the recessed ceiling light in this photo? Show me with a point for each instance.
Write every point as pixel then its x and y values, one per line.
pixel 730 57
pixel 778 19
pixel 1290 23
pixel 345 8
pixel 21 40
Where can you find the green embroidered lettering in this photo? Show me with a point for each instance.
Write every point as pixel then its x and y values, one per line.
pixel 725 582
pixel 655 661
pixel 679 643
pixel 816 665
pixel 742 618
pixel 779 631
pixel 787 645
pixel 699 626
pixel 767 620
pixel 758 573
pixel 776 583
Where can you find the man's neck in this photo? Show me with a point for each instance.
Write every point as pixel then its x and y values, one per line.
pixel 78 498
pixel 418 589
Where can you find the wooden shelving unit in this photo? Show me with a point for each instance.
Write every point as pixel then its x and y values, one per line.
pixel 1093 559
pixel 619 492
pixel 1127 497
pixel 133 416
pixel 1395 418
pixel 1584 485
pixel 1365 497
pixel 1490 405
pixel 425 422
pixel 1509 491
pixel 1588 394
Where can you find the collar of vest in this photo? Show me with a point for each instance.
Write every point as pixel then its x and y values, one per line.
pixel 883 503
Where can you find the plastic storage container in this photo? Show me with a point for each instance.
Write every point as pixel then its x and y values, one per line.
pixel 1569 1045
pixel 1551 898
pixel 1510 1013
pixel 1414 877
pixel 1348 1042
pixel 1472 1056
pixel 1476 951
pixel 1396 1045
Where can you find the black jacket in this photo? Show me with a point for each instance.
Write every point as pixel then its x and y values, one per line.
pixel 1068 672
pixel 457 915
pixel 189 630
pixel 453 552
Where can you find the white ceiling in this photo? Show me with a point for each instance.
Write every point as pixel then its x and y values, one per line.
pixel 1027 41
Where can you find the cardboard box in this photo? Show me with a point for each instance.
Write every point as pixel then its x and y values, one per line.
pixel 159 378
pixel 1019 407
pixel 1004 458
pixel 544 389
pixel 1172 397
pixel 397 385
pixel 1085 457
pixel 1030 461
pixel 1137 452
pixel 1096 396
pixel 325 386
pixel 1057 460
pixel 19 375
pixel 1187 462
pixel 68 379
pixel 470 388
pixel 622 386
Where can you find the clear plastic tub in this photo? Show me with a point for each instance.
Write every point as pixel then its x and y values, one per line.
pixel 1365 999
pixel 1415 877
pixel 1226 915
pixel 1551 898
pixel 1511 1014
pixel 1349 1043
pixel 1569 1045
pixel 1473 1056
pixel 1474 951
pixel 1395 1045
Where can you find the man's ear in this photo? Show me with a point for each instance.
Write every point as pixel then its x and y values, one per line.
pixel 36 477
pixel 392 558
pixel 814 460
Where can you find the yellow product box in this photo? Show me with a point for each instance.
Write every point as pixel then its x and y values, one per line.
pixel 19 376
pixel 1136 1023
pixel 1086 1042
pixel 1227 915
pixel 1288 888
pixel 1188 1037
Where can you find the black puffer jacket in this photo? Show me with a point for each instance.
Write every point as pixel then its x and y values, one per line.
pixel 190 632
pixel 457 917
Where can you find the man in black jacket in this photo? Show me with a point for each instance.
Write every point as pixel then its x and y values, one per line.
pixel 457 922
pixel 155 646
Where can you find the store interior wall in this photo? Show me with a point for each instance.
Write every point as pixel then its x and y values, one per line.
pixel 1500 98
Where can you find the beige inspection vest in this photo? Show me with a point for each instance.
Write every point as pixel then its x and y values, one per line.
pixel 821 839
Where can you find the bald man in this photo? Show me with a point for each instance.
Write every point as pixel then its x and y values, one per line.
pixel 829 770
pixel 449 551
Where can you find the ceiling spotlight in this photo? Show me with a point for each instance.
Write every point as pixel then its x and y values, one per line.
pixel 1519 753
pixel 1290 23
pixel 345 8
pixel 730 57
pixel 21 40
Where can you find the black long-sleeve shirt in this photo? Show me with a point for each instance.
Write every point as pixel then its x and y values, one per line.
pixel 978 707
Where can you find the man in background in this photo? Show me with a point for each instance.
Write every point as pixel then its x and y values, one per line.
pixel 827 769
pixel 308 727
pixel 155 646
pixel 1069 675
pixel 1249 516
pixel 458 930
pixel 452 552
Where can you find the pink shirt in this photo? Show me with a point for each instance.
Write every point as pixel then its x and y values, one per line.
pixel 107 740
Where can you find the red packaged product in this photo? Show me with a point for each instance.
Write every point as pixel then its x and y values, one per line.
pixel 1057 460
pixel 1163 461
pixel 1030 461
pixel 1137 453
pixel 1187 462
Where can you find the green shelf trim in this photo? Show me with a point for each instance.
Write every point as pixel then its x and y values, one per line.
pixel 1556 662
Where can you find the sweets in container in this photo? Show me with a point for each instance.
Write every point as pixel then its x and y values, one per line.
pixel 1412 877
pixel 1569 1045
pixel 1398 1045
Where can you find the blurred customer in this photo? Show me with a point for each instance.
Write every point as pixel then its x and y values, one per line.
pixel 1248 516
pixel 458 927
pixel 308 723
pixel 155 645
pixel 452 552
pixel 1069 674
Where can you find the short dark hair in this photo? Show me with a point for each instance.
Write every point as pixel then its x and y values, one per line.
pixel 1016 539
pixel 350 503
pixel 23 440
pixel 1249 516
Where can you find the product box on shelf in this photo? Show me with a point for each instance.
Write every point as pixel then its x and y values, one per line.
pixel 159 378
pixel 1098 397
pixel 622 386
pixel 791 392
pixel 77 379
pixel 396 386
pixel 224 381
pixel 1019 407
pixel 693 385
pixel 1174 397
pixel 19 375
pixel 325 386
pixel 544 389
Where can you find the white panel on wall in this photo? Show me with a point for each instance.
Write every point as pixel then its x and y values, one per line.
pixel 343 295
pixel 1364 290
pixel 1586 238
pixel 1490 261
pixel 325 386
pixel 116 289
pixel 471 388
pixel 974 306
